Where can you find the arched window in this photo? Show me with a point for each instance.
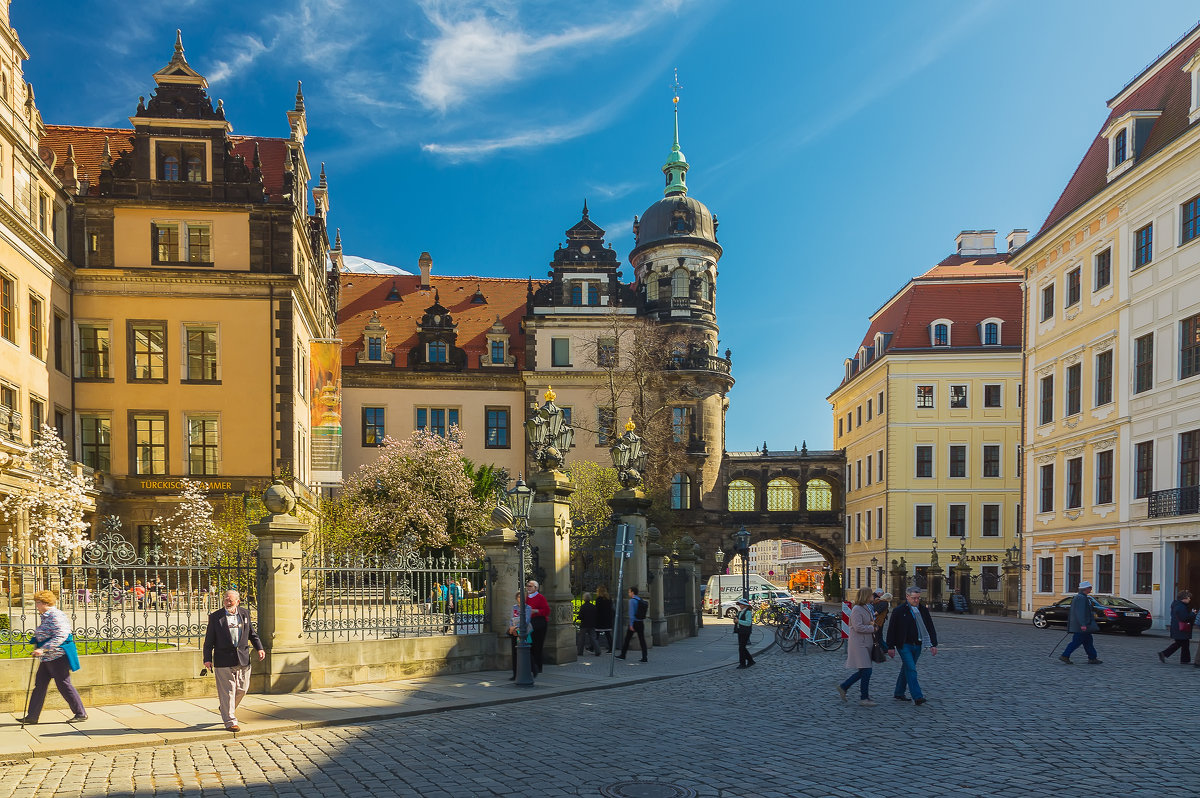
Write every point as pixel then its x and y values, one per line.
pixel 593 293
pixel 195 172
pixel 374 348
pixel 783 495
pixel 652 287
pixel 576 293
pixel 681 284
pixel 170 168
pixel 941 335
pixel 741 496
pixel 705 288
pixel 437 352
pixel 681 492
pixel 991 334
pixel 819 495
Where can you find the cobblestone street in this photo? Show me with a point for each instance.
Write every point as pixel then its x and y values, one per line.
pixel 1003 718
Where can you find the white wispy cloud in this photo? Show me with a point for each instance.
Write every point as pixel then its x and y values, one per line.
pixel 248 49
pixel 477 48
pixel 524 139
pixel 615 190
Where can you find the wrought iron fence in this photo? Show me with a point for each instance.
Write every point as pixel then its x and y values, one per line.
pixel 675 585
pixel 359 596
pixel 117 600
pixel 592 561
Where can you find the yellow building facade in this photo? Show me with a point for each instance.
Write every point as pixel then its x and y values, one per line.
pixel 1113 320
pixel 928 416
pixel 200 290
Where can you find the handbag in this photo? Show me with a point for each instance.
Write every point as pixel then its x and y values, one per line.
pixel 878 655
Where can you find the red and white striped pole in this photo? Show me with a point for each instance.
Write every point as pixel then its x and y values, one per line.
pixel 806 620
pixel 846 605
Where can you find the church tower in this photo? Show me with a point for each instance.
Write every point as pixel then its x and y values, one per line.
pixel 675 259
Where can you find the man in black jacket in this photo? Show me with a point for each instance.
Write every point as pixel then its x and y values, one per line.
pixel 227 646
pixel 910 631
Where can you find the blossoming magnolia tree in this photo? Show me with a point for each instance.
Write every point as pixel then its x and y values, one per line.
pixel 417 494
pixel 56 500
pixel 189 530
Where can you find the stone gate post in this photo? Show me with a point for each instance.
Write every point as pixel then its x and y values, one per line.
pixel 500 547
pixel 550 531
pixel 630 506
pixel 899 574
pixel 656 595
pixel 687 560
pixel 280 601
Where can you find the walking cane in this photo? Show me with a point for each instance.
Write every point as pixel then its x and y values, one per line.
pixel 28 690
pixel 1059 643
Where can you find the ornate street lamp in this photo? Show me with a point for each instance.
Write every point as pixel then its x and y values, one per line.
pixel 629 457
pixel 519 500
pixel 719 556
pixel 550 437
pixel 743 549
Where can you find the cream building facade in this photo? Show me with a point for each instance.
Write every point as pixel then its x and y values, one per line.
pixel 928 416
pixel 1114 317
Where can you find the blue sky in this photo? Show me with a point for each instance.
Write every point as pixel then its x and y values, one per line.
pixel 842 145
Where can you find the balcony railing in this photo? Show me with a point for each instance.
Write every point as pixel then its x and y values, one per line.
pixel 699 362
pixel 1173 502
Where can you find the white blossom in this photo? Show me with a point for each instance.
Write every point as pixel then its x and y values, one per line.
pixel 56 499
pixel 189 530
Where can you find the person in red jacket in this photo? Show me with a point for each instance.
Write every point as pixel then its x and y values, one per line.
pixel 540 609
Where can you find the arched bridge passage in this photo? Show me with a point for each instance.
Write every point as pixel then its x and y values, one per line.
pixel 798 496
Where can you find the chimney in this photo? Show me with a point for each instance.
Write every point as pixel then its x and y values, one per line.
pixel 976 242
pixel 1016 239
pixel 426 264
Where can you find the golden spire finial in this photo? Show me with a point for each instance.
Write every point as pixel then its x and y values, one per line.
pixel 629 425
pixel 550 396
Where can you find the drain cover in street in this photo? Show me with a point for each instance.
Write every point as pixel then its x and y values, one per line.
pixel 646 789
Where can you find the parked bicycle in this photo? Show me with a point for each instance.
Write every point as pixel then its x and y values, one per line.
pixel 826 632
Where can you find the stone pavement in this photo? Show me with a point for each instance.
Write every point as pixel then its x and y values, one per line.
pixel 182 721
pixel 1004 718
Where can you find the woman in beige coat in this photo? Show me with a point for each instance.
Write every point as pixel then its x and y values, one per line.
pixel 858 647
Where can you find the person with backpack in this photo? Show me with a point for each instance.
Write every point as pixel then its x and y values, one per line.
pixel 743 626
pixel 639 608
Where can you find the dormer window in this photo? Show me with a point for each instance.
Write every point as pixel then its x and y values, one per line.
pixel 1193 69
pixel 1126 134
pixel 497 353
pixel 989 332
pixel 170 168
pixel 375 348
pixel 195 169
pixel 180 160
pixel 374 341
pixel 436 352
pixel 940 333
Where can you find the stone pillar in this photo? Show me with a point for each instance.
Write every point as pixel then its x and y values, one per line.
pixel 1012 588
pixel 686 558
pixel 960 575
pixel 550 531
pixel 899 575
pixel 656 591
pixel 500 546
pixel 280 601
pixel 630 506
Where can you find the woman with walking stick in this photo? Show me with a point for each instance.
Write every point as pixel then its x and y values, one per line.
pixel 55 647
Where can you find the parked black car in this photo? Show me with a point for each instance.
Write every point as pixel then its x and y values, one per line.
pixel 1113 614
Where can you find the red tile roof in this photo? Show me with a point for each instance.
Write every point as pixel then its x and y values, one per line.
pixel 1163 86
pixel 88 143
pixel 362 294
pixel 965 290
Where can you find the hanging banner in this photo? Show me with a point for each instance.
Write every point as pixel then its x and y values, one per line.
pixel 325 390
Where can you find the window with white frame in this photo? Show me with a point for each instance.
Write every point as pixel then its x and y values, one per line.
pixel 181 242
pixel 1045 574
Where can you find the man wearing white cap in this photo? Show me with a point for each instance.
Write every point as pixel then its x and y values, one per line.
pixel 1082 622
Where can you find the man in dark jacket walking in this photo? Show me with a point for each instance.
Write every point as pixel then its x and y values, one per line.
pixel 910 631
pixel 587 627
pixel 1181 622
pixel 1082 622
pixel 227 646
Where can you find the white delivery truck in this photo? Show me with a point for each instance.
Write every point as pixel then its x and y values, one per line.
pixel 724 589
